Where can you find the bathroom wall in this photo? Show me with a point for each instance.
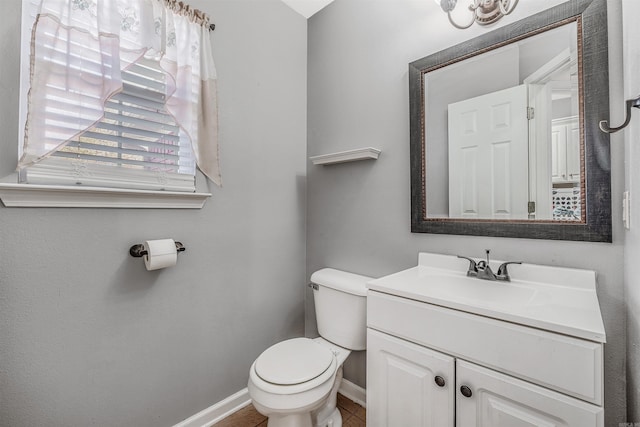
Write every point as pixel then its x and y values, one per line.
pixel 359 213
pixel 631 10
pixel 88 336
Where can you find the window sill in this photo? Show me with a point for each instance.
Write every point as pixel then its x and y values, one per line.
pixel 56 196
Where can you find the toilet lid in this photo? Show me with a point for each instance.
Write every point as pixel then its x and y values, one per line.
pixel 293 361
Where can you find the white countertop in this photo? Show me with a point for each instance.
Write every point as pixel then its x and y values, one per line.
pixel 556 299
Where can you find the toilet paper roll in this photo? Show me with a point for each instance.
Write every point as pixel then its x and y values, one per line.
pixel 160 254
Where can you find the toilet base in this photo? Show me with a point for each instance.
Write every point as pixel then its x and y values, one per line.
pixel 293 420
pixel 305 420
pixel 333 420
pixel 329 415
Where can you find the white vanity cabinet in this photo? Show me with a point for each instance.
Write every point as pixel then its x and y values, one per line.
pixel 411 384
pixel 444 357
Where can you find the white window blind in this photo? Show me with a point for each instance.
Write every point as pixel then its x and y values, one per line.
pixel 136 144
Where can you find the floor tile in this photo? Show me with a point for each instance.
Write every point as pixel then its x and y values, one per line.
pixel 245 417
pixel 347 404
pixel 345 414
pixel 354 422
pixel 361 413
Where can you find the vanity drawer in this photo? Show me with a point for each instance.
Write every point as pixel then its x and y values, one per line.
pixel 570 365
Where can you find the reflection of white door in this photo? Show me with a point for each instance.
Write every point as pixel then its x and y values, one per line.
pixel 488 156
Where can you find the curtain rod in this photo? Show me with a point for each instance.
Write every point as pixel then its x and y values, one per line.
pixel 212 27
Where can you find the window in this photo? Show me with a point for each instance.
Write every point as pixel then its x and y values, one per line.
pixel 117 103
pixel 137 144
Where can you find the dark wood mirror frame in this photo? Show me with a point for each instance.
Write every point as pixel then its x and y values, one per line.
pixel 591 16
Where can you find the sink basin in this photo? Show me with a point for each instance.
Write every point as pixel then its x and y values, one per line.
pixel 478 291
pixel 557 299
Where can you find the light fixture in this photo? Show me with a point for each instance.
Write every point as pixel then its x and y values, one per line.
pixel 484 12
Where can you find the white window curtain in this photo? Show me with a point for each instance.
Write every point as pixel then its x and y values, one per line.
pixel 87 55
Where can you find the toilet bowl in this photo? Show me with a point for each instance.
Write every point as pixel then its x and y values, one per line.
pixel 295 382
pixel 292 382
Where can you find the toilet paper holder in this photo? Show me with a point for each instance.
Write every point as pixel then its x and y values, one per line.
pixel 138 250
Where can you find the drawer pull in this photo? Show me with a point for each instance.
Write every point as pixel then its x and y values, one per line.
pixel 439 381
pixel 466 391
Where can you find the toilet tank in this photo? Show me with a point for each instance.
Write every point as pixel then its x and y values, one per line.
pixel 340 299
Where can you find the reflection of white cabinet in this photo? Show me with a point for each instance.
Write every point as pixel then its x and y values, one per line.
pixel 565 150
pixel 430 366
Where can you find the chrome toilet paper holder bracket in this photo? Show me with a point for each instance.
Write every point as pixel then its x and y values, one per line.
pixel 138 250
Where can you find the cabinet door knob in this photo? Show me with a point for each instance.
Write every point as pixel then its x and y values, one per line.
pixel 439 381
pixel 466 391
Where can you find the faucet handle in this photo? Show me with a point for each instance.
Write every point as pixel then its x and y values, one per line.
pixel 503 272
pixel 473 268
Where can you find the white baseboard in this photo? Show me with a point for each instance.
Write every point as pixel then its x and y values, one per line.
pixel 353 392
pixel 218 411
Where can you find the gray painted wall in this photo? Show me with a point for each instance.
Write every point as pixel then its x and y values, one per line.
pixel 631 9
pixel 88 336
pixel 359 213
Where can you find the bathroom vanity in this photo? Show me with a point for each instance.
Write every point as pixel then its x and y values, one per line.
pixel 445 349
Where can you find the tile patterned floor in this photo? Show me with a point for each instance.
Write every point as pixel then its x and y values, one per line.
pixel 353 415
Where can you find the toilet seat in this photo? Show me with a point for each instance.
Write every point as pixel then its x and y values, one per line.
pixel 279 360
pixel 293 361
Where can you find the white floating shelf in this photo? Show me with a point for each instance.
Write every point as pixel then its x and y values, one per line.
pixel 346 156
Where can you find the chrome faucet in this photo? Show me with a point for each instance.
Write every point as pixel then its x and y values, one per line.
pixel 482 270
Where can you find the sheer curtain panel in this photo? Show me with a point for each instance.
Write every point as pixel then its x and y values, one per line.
pixel 121 93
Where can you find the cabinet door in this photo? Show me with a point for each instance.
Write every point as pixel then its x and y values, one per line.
pixel 497 400
pixel 401 384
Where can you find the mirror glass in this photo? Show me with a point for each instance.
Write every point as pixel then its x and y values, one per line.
pixel 501 132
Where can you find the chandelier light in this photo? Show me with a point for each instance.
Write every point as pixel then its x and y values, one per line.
pixel 484 12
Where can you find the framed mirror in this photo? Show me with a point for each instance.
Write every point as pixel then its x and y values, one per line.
pixel 504 131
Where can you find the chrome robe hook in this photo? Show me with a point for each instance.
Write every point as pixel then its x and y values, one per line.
pixel 604 126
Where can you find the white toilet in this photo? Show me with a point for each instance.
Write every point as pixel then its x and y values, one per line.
pixel 295 382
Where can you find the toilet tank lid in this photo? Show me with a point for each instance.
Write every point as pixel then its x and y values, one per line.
pixel 351 283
